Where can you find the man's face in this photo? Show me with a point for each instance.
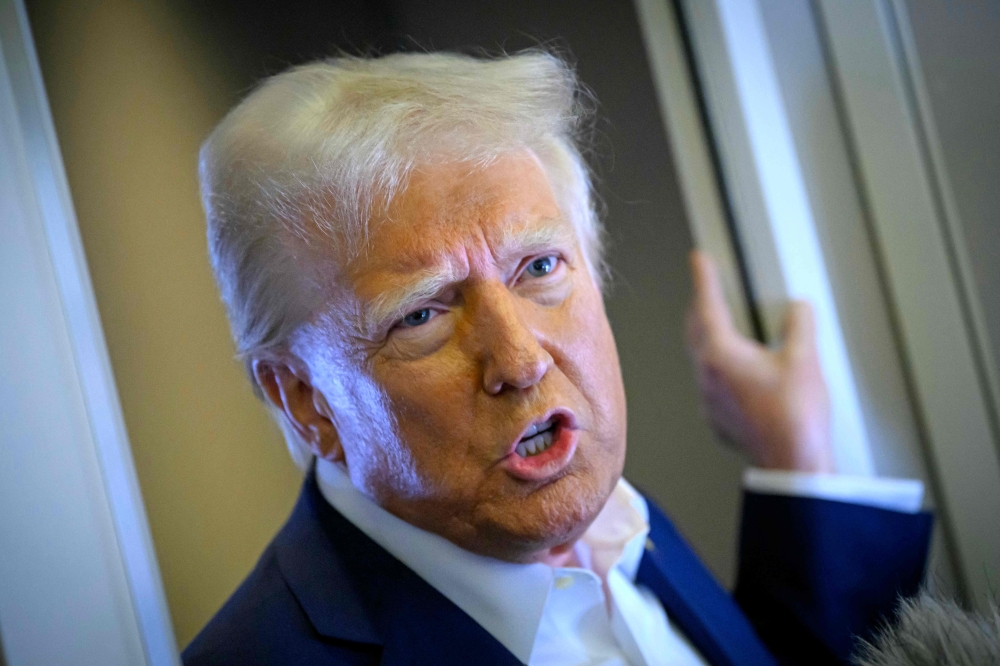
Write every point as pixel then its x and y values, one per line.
pixel 471 322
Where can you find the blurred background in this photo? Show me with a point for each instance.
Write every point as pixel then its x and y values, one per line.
pixel 134 86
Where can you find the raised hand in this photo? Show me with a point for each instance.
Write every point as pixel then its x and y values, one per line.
pixel 772 404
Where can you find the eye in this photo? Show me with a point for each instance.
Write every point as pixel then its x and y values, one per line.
pixel 418 317
pixel 541 266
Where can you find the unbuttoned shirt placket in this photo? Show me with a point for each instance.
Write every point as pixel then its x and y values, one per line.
pixel 544 616
pixel 560 617
pixel 580 627
pixel 575 628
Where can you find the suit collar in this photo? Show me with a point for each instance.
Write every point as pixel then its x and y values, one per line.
pixel 318 573
pixel 506 599
pixel 353 590
pixel 695 601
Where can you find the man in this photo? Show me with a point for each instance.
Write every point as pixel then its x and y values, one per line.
pixel 411 263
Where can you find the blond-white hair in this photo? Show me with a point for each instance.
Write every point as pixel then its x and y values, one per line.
pixel 319 151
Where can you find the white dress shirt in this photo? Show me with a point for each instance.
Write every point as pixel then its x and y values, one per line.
pixel 593 615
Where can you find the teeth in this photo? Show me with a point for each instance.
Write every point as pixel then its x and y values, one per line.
pixel 532 446
pixel 534 429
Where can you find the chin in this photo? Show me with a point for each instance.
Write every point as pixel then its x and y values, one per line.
pixel 523 529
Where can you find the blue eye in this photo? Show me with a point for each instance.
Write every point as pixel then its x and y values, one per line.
pixel 417 318
pixel 541 267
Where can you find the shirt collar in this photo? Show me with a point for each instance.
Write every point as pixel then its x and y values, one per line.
pixel 482 586
pixel 617 536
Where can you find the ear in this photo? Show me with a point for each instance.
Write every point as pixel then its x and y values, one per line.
pixel 305 408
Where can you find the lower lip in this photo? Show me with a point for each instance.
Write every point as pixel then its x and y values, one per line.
pixel 549 462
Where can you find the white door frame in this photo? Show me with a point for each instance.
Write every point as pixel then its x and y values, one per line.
pixel 822 154
pixel 692 153
pixel 775 216
pixel 926 269
pixel 79 581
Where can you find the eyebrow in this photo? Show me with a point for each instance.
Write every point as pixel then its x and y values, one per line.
pixel 395 303
pixel 535 239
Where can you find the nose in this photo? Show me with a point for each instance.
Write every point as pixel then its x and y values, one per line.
pixel 512 354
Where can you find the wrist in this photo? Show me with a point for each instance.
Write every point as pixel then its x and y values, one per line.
pixel 811 464
pixel 808 452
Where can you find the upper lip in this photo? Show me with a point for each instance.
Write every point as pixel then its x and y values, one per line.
pixel 561 417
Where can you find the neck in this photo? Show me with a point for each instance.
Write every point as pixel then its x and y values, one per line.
pixel 563 555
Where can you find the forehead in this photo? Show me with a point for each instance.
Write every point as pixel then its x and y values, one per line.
pixel 454 212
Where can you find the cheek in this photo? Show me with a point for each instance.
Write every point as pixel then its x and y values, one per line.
pixel 432 400
pixel 377 461
pixel 429 393
pixel 591 359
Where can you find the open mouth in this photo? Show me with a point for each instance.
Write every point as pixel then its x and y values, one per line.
pixel 537 439
pixel 545 448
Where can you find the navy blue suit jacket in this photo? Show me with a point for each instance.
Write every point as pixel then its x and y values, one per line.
pixel 814 575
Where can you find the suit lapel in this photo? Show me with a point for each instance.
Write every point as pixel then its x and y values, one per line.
pixel 421 626
pixel 352 589
pixel 693 599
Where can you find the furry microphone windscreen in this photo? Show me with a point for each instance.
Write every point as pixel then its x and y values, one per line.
pixel 933 632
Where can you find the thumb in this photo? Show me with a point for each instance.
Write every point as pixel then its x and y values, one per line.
pixel 709 305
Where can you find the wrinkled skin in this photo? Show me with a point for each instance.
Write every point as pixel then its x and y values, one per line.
pixel 501 349
pixel 422 408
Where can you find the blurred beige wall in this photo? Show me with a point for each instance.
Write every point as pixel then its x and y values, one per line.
pixel 133 94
